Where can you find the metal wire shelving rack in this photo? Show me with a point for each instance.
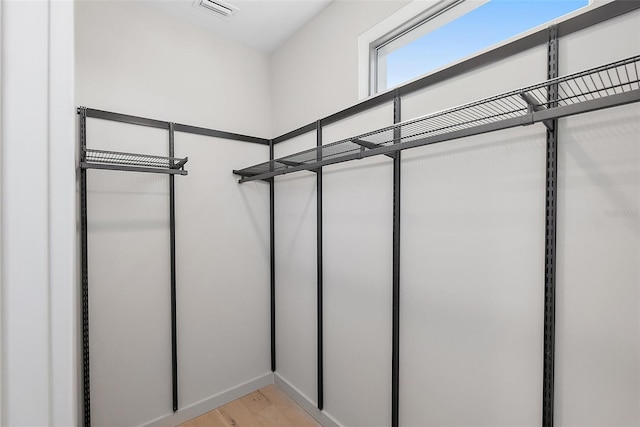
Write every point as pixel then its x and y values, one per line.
pixel 116 160
pixel 606 86
pixel 129 162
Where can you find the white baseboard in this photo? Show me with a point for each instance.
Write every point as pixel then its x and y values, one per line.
pixel 211 403
pixel 305 403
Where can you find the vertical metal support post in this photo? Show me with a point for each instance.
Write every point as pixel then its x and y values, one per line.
pixel 395 340
pixel 272 250
pixel 320 266
pixel 84 265
pixel 172 238
pixel 550 237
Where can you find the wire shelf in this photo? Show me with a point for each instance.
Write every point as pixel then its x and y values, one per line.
pixel 116 160
pixel 606 86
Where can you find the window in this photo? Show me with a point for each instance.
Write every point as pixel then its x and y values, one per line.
pixel 452 30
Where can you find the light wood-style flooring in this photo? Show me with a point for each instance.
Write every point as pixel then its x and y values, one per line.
pixel 267 407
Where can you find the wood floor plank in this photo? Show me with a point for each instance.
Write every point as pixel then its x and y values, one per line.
pixel 237 414
pixel 264 410
pixel 293 413
pixel 273 416
pixel 267 407
pixel 210 419
pixel 256 401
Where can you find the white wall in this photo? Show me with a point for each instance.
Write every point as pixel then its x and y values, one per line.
pixel 315 73
pixel 357 336
pixel 38 374
pixel 357 202
pixel 471 263
pixel 1 210
pixel 296 273
pixel 135 59
pixel 472 245
pixel 129 298
pixel 598 307
pixel 222 248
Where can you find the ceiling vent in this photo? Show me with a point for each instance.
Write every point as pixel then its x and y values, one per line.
pixel 218 8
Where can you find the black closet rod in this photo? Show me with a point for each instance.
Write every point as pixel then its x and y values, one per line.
pixel 142 121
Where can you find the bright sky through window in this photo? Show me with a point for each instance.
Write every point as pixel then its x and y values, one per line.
pixel 479 29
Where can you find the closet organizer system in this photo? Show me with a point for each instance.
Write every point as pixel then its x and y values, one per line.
pixel 610 85
pixel 133 162
pixel 606 86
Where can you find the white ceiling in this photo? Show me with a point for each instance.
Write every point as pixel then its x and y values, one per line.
pixel 262 24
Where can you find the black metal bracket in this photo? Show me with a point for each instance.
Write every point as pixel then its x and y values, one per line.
pixel 289 163
pixel 181 163
pixel 243 174
pixel 294 164
pixel 533 107
pixel 370 146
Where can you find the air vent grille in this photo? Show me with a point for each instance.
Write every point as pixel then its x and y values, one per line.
pixel 218 8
